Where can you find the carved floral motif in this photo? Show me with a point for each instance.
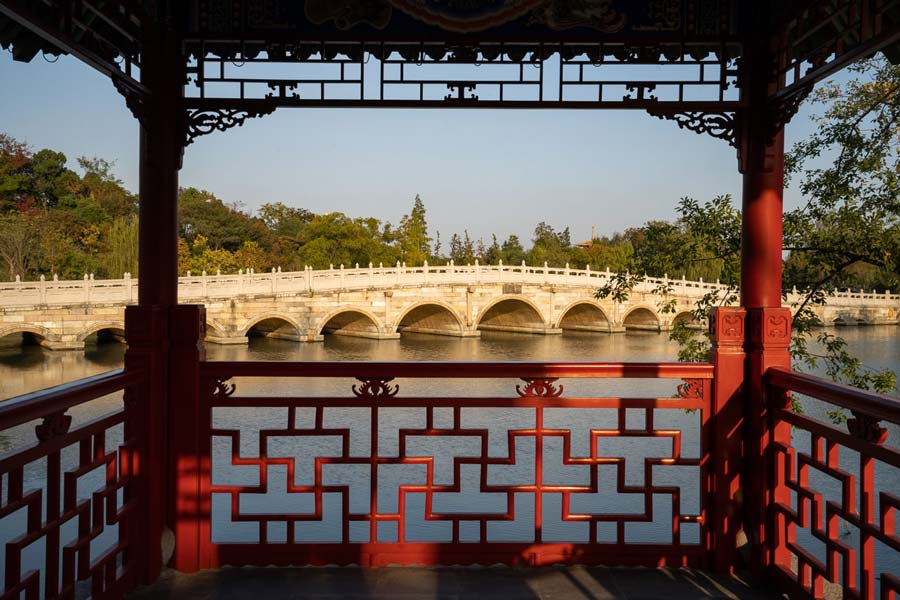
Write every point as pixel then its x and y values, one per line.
pixel 540 388
pixel 53 426
pixel 223 389
pixel 721 125
pixel 201 122
pixel 691 388
pixel 375 388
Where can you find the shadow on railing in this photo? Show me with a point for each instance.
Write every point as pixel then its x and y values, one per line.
pixel 383 471
pixel 69 505
pixel 833 496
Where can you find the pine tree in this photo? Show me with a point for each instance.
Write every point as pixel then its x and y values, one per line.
pixel 415 245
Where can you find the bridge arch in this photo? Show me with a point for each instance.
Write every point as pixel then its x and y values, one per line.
pixel 512 313
pixel 350 321
pixel 687 318
pixel 584 315
pixel 641 318
pixel 114 329
pixel 432 317
pixel 215 329
pixel 28 332
pixel 272 325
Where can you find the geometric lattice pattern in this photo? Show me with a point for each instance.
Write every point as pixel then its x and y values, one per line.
pixel 66 506
pixel 528 479
pixel 838 527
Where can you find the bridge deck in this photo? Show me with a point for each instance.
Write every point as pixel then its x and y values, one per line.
pixel 414 583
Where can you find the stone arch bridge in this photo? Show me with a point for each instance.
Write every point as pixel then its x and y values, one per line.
pixel 382 303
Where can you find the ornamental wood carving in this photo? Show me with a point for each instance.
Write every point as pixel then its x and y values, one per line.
pixel 53 426
pixel 375 388
pixel 541 388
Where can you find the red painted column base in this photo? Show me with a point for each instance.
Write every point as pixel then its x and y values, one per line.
pixel 768 346
pixel 727 328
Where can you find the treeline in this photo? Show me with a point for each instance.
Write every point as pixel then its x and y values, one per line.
pixel 55 221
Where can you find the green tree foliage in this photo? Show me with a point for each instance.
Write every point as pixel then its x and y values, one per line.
pixel 462 249
pixel 614 253
pixel 549 246
pixel 848 230
pixel 123 247
pixel 512 251
pixel 50 180
pixel 415 245
pixel 57 222
pixel 336 239
pixel 106 190
pixel 283 220
pixel 18 244
pixel 223 226
pixel 14 156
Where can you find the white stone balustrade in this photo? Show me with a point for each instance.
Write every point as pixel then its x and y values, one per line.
pixel 193 288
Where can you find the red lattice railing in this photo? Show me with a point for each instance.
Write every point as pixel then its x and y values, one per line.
pixel 68 502
pixel 834 496
pixel 494 476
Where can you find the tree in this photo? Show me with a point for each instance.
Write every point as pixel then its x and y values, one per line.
pixel 284 220
pixel 336 239
pixel 50 179
pixel 14 155
pixel 18 244
pixel 437 257
pixel 512 251
pixel 851 219
pixel 549 246
pixel 415 245
pixel 106 189
pixel 122 256
pixel 493 254
pixel 201 213
pixel 614 253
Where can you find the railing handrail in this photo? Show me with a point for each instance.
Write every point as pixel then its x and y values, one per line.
pixel 90 291
pixel 457 370
pixel 854 399
pixel 35 405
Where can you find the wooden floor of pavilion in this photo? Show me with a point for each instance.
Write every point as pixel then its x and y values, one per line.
pixel 419 583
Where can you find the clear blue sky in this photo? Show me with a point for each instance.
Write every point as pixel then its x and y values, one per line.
pixel 488 171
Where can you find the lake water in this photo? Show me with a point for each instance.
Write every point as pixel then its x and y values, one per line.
pixel 31 368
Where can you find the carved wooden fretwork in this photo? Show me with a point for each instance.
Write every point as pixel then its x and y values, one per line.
pixel 375 387
pixel 783 109
pixel 222 388
pixel 721 125
pixel 540 388
pixel 52 426
pixel 691 388
pixel 134 99
pixel 205 121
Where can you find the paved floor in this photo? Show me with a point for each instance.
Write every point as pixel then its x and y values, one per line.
pixel 414 583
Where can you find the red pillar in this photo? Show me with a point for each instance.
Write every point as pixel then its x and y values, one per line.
pixel 149 325
pixel 768 324
pixel 162 144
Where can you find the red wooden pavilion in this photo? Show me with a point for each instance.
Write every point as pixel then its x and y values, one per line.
pixel 733 69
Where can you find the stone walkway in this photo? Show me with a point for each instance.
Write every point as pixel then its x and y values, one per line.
pixel 418 583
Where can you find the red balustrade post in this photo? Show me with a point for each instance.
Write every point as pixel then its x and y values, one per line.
pixel 768 346
pixel 727 327
pixel 188 514
pixel 146 329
